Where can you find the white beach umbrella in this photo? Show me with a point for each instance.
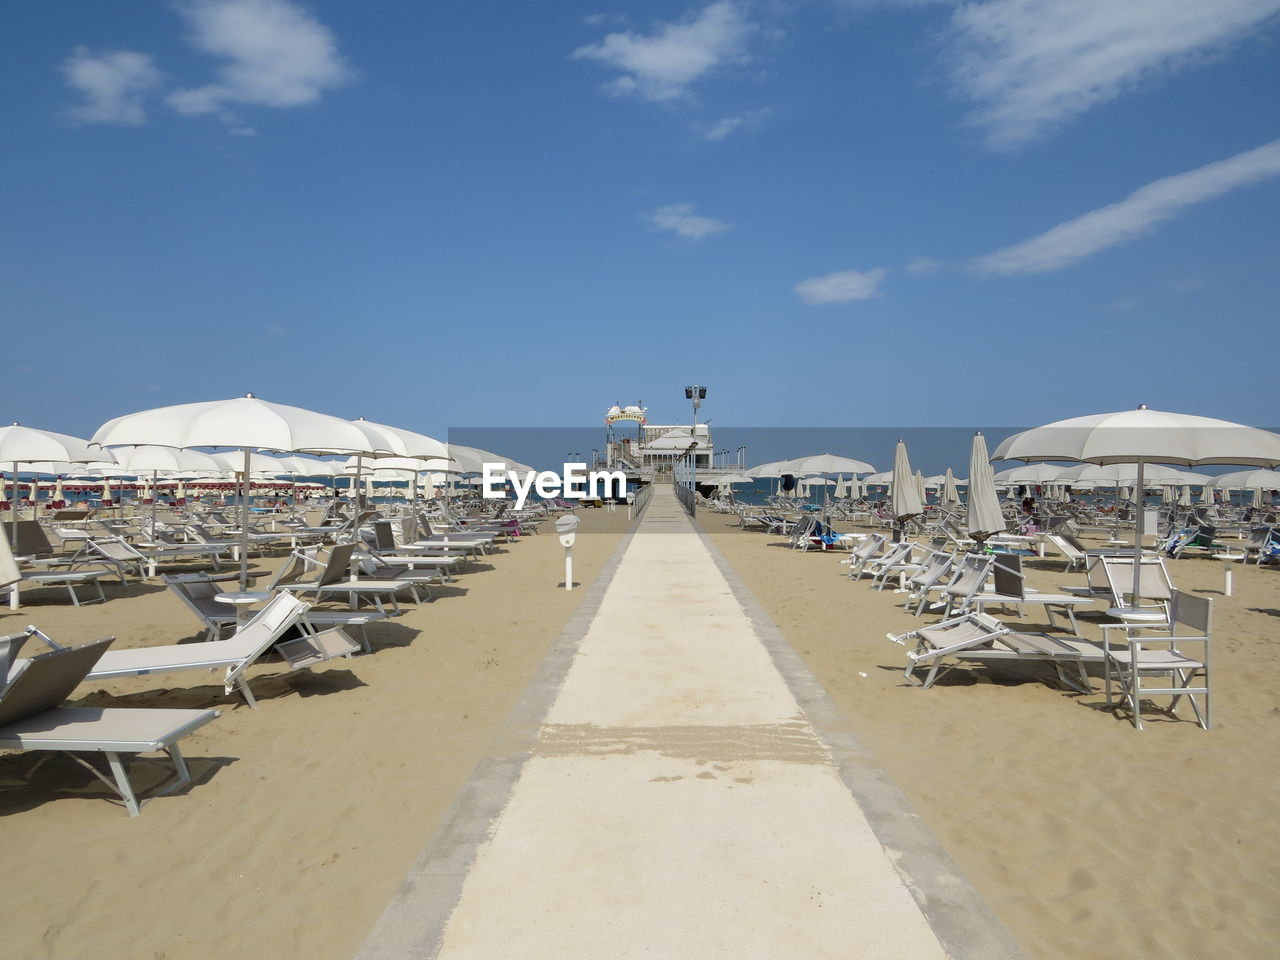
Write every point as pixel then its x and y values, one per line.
pixel 950 492
pixel 59 495
pixel 1141 436
pixel 244 422
pixel 984 518
pixel 140 460
pixel 904 497
pixel 826 463
pixel 106 492
pixel 1031 474
pixel 1248 480
pixel 1184 496
pixel 1206 493
pixel 1255 499
pixel 918 478
pixel 772 469
pixel 28 445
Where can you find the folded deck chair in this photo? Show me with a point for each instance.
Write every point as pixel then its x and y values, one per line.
pixel 1180 659
pixel 235 654
pixel 1010 587
pixel 979 637
pixel 898 559
pixel 31 718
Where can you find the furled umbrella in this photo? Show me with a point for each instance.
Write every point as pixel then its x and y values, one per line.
pixel 1140 436
pixel 984 517
pixel 244 422
pixel 904 499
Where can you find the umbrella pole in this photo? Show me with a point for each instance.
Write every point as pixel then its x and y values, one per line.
pixel 244 524
pixel 155 479
pixel 1140 494
pixel 13 505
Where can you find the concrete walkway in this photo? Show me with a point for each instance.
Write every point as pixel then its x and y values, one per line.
pixel 676 786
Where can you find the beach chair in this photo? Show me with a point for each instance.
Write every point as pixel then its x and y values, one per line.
pixel 980 637
pixel 930 573
pixel 235 654
pixel 1071 548
pixel 968 579
pixel 862 554
pixel 897 559
pixel 332 575
pixel 1154 583
pixel 1010 587
pixel 32 718
pixel 1180 660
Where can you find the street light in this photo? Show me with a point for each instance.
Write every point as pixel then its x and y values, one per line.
pixel 697 395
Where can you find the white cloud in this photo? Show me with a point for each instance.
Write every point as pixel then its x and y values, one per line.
pixel 1133 216
pixel 277 55
pixel 843 286
pixel 742 122
pixel 1032 65
pixel 114 85
pixel 680 218
pixel 661 66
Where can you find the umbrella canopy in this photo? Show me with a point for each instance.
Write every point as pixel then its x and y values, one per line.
pixel 1141 435
pixel 245 422
pixel 19 444
pixel 260 465
pixel 825 463
pixel 883 477
pixel 920 488
pixel 1031 473
pixel 905 498
pixel 472 460
pixel 984 518
pixel 774 468
pixel 1248 480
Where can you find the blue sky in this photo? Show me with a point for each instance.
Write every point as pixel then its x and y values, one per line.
pixel 841 213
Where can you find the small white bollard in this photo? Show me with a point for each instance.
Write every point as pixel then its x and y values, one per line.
pixel 566 527
pixel 1226 571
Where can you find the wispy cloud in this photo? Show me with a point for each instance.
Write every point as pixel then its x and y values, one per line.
pixel 1133 216
pixel 661 66
pixel 114 84
pixel 276 55
pixel 679 218
pixel 843 286
pixel 740 123
pixel 1032 65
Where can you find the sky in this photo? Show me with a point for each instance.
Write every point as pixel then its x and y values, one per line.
pixel 829 212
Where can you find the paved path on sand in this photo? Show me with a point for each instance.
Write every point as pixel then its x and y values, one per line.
pixel 675 785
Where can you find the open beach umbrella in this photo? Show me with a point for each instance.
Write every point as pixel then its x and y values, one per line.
pixel 1140 436
pixel 904 497
pixel 826 463
pixel 139 460
pixel 984 518
pixel 27 445
pixel 244 422
pixel 1248 480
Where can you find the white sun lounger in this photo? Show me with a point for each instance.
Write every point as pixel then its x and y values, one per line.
pixel 31 718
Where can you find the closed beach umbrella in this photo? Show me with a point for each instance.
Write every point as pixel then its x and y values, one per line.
pixel 1206 493
pixel 842 488
pixel 1184 496
pixel 904 498
pixel 106 492
pixel 1255 500
pixel 984 519
pixel 950 492
pixel 1140 436
pixel 244 422
pixel 921 492
pixel 59 496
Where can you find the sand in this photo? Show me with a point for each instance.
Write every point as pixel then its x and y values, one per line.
pixel 1087 838
pixel 308 811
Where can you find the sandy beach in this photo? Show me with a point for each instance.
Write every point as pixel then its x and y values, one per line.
pixel 306 812
pixel 1087 838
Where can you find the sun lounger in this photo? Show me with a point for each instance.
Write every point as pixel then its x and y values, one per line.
pixel 31 718
pixel 979 637
pixel 1010 587
pixel 235 654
